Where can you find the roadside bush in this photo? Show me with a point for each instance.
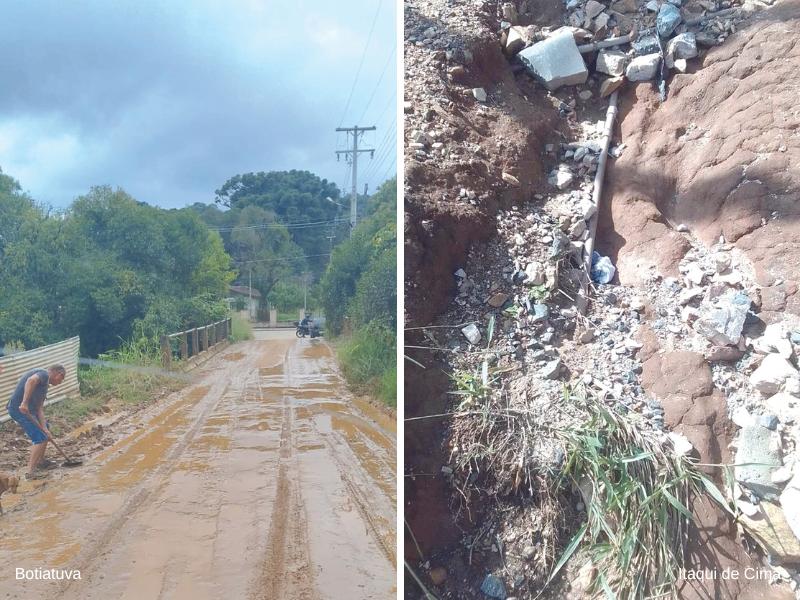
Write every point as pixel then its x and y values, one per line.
pixel 368 360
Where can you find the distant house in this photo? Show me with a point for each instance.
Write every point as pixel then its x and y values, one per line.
pixel 244 300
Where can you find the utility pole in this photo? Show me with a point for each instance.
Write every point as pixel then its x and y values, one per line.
pixel 356 132
pixel 250 292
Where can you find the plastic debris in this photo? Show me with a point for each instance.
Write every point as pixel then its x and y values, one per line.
pixel 603 269
pixel 493 587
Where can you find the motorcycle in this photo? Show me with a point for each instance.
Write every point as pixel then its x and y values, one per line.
pixel 304 330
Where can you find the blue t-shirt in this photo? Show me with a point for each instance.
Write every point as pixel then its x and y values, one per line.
pixel 38 394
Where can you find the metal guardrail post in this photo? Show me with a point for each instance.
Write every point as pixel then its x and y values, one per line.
pixel 195 342
pixel 184 345
pixel 166 352
pixel 205 338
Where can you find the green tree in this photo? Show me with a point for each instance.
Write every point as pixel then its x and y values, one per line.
pixel 294 197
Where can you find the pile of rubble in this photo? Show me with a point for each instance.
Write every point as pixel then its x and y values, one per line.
pixel 659 37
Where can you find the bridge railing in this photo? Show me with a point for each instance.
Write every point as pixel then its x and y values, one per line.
pixel 193 342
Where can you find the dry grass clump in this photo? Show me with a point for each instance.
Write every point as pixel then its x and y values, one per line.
pixel 635 490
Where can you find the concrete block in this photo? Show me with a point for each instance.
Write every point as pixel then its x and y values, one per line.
pixel 556 61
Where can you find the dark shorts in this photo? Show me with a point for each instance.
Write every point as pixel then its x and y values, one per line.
pixel 26 422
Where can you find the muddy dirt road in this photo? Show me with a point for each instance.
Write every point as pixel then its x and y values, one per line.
pixel 264 479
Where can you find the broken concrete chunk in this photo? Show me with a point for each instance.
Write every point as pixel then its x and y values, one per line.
pixel 771 375
pixel 556 61
pixel 757 457
pixel 722 323
pixel 683 45
pixel 611 62
pixel 669 17
pixel 472 333
pixel 643 68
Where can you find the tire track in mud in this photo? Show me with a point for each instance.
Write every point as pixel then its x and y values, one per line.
pixel 362 505
pixel 287 566
pixel 147 493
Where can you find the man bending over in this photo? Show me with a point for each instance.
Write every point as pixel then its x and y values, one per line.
pixel 26 407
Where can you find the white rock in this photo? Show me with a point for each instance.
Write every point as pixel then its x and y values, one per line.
pixel 680 443
pixel 773 372
pixel 472 333
pixel 480 94
pixel 747 508
pixel 587 209
pixel 611 62
pixel 775 339
pixel 561 178
pixel 460 273
pixel 643 68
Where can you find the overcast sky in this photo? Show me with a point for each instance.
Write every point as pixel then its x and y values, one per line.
pixel 169 99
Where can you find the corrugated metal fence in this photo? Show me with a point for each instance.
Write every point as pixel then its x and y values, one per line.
pixel 15 365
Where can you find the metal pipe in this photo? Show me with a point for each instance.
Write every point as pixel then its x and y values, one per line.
pixel 597 194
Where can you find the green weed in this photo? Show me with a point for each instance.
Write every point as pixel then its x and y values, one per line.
pixel 240 329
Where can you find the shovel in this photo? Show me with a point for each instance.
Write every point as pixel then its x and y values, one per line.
pixel 68 462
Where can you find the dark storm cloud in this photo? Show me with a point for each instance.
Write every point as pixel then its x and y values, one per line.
pixel 168 100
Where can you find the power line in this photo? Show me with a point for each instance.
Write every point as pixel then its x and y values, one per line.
pixel 375 89
pixel 383 151
pixel 361 63
pixel 270 260
pixel 299 225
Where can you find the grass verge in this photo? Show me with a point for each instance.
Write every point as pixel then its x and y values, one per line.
pixel 109 389
pixel 369 362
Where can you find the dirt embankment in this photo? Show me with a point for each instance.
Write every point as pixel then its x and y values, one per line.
pixel 720 156
pixel 453 190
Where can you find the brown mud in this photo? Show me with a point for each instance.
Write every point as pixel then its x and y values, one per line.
pixel 262 480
